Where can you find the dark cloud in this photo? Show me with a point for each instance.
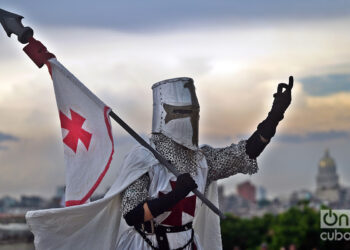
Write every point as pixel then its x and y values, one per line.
pixel 309 137
pixel 326 85
pixel 157 14
pixel 7 137
pixel 313 137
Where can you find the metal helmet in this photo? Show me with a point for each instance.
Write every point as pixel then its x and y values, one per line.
pixel 176 111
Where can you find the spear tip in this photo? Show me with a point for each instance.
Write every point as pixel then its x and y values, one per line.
pixel 12 24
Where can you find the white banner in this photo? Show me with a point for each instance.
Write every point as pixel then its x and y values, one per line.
pixel 86 132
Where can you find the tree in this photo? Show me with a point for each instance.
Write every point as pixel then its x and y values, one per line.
pixel 299 225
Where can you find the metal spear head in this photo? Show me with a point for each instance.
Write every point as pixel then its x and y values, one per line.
pixel 12 23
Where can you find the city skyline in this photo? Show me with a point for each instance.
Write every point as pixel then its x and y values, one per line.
pixel 236 53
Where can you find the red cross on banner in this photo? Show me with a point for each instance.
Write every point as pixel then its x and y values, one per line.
pixel 75 129
pixel 186 205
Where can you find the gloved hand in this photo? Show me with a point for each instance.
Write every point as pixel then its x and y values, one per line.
pixel 184 185
pixel 267 128
pixel 282 99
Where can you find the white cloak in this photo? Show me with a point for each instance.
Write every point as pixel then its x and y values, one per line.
pixel 97 225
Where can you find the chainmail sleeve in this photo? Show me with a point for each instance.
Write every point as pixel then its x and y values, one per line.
pixel 134 194
pixel 231 160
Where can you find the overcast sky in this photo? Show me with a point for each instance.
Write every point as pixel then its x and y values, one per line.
pixel 237 52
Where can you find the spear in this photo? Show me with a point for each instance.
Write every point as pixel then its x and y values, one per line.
pixel 12 24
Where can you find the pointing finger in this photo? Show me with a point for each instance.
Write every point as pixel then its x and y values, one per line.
pixel 291 82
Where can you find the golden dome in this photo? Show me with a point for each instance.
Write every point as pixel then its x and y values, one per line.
pixel 327 161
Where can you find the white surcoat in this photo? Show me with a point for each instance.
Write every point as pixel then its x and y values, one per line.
pixel 162 182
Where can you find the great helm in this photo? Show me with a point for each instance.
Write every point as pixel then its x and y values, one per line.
pixel 176 111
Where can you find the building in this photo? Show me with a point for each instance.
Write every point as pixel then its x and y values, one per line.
pixel 261 194
pixel 247 191
pixel 6 203
pixel 235 204
pixel 328 189
pixel 34 202
pixel 300 196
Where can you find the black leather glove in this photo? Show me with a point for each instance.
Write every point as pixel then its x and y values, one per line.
pixel 283 99
pixel 267 128
pixel 184 185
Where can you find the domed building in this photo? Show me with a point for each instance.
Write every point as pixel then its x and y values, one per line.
pixel 327 179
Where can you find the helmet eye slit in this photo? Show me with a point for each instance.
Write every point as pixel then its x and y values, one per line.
pixel 182 111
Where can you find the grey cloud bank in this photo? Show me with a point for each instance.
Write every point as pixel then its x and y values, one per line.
pixel 313 137
pixel 159 15
pixel 289 162
pixel 7 137
pixel 327 84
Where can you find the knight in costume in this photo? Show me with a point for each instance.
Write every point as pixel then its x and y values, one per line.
pixel 160 208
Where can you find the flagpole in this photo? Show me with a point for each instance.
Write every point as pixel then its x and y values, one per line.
pixel 163 161
pixel 12 24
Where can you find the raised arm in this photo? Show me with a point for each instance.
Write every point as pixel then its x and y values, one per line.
pixel 267 128
pixel 241 158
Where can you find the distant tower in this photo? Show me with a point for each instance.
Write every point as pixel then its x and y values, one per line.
pixel 327 179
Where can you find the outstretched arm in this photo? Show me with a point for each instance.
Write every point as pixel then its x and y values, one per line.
pixel 227 161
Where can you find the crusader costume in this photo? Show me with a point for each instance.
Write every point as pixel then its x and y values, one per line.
pixel 144 188
pixel 175 136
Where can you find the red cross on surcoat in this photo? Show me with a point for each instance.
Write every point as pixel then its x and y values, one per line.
pixel 186 205
pixel 76 132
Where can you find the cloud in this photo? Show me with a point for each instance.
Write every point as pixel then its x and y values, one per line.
pixel 7 137
pixel 313 137
pixel 308 114
pixel 36 165
pixel 236 71
pixel 326 85
pixel 155 14
pixel 4 137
